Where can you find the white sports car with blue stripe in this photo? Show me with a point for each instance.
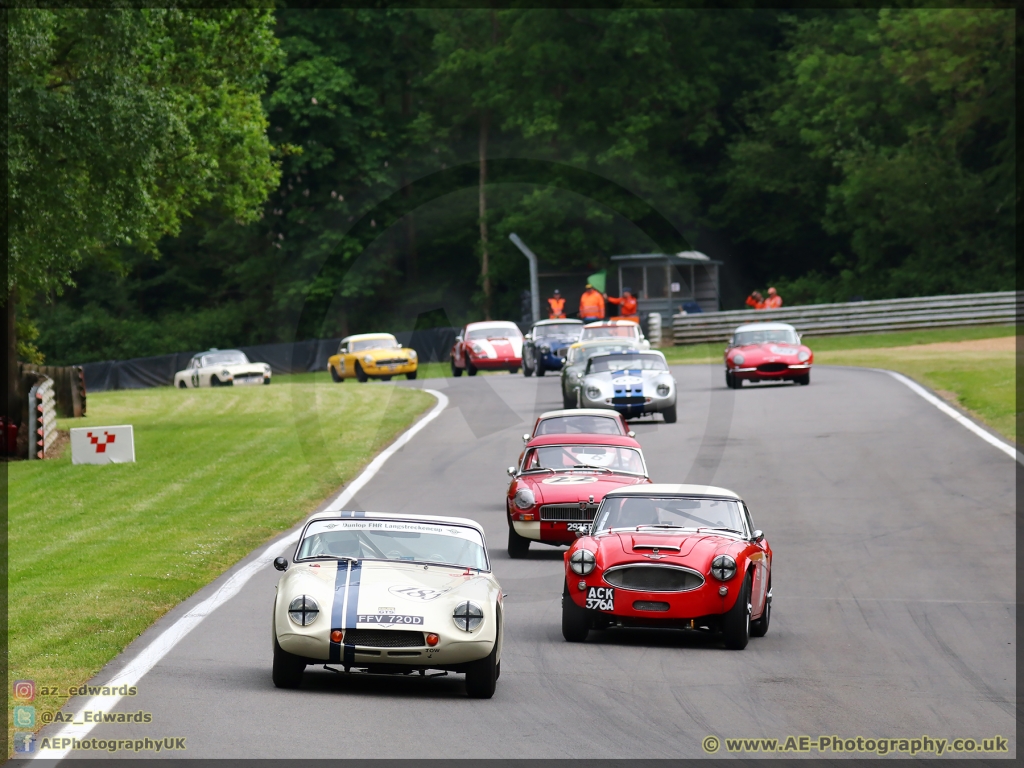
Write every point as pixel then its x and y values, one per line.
pixel 632 383
pixel 392 594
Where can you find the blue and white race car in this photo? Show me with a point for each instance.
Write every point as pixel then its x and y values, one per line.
pixel 632 383
pixel 546 345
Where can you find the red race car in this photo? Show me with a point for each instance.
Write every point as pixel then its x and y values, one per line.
pixel 671 556
pixel 489 346
pixel 560 482
pixel 766 352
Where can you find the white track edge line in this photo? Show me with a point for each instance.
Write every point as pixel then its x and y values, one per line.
pixel 161 646
pixel 985 435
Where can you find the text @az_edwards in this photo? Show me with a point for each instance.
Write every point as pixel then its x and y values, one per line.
pixel 168 743
pixel 859 744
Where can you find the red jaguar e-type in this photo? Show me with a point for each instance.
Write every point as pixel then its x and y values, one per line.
pixel 487 346
pixel 560 482
pixel 674 556
pixel 767 352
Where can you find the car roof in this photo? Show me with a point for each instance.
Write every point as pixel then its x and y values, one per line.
pixel 583 439
pixel 366 336
pixel 216 352
pixel 673 489
pixel 765 327
pixel 610 323
pixel 634 352
pixel 492 324
pixel 603 412
pixel 587 343
pixel 559 321
pixel 348 514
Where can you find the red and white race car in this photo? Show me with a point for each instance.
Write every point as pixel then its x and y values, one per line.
pixel 767 352
pixel 487 346
pixel 578 421
pixel 671 556
pixel 561 480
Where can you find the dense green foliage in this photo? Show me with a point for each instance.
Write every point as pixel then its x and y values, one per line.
pixel 836 153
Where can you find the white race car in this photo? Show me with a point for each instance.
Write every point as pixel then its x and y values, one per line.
pixel 221 368
pixel 632 383
pixel 391 594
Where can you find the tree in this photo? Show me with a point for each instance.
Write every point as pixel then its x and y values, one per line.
pixel 121 124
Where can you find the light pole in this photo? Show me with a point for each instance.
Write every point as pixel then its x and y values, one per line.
pixel 534 283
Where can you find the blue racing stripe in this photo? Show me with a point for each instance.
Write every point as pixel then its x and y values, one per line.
pixel 352 610
pixel 338 607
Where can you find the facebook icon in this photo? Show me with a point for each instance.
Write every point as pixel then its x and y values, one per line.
pixel 24 742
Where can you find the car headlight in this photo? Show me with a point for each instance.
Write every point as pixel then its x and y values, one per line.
pixel 545 349
pixel 225 373
pixel 582 562
pixel 303 610
pixel 723 567
pixel 412 354
pixel 468 616
pixel 664 389
pixel 368 359
pixel 266 368
pixel 804 356
pixel 737 359
pixel 593 392
pixel 524 498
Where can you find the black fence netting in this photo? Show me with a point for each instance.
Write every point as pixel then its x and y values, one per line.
pixel 431 345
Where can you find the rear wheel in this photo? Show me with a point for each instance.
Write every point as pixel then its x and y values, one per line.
pixel 670 415
pixel 575 620
pixel 470 368
pixel 334 375
pixel 411 375
pixel 736 623
pixel 759 628
pixel 518 546
pixel 456 371
pixel 288 668
pixel 482 675
pixel 361 374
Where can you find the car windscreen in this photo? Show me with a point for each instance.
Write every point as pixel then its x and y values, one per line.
pixel 779 335
pixel 365 344
pixel 585 353
pixel 580 425
pixel 562 457
pixel 626 362
pixel 634 511
pixel 232 357
pixel 404 541
pixel 610 331
pixel 478 334
pixel 558 329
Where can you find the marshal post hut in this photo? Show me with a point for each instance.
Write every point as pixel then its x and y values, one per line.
pixel 668 283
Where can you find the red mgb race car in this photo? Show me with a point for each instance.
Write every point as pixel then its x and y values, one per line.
pixel 489 346
pixel 559 483
pixel 766 352
pixel 674 556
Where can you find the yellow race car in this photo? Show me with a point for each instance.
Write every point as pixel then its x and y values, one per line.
pixel 368 356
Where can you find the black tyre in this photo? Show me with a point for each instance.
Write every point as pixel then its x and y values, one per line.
pixel 288 669
pixel 385 378
pixel 266 381
pixel 470 368
pixel 804 380
pixel 540 369
pixel 513 371
pixel 575 620
pixel 361 374
pixel 182 385
pixel 568 402
pixel 334 375
pixel 736 623
pixel 669 415
pixel 456 371
pixel 759 628
pixel 215 382
pixel 411 375
pixel 527 369
pixel 729 382
pixel 518 546
pixel 482 675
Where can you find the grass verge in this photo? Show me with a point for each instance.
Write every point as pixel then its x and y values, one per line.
pixel 982 382
pixel 98 553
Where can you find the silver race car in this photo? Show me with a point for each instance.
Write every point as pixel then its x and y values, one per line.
pixel 632 383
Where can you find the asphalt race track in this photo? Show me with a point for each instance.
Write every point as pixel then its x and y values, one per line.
pixel 894 540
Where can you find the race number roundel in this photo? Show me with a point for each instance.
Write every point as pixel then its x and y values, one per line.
pixel 569 480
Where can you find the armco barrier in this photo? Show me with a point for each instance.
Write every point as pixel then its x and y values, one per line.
pixel 858 317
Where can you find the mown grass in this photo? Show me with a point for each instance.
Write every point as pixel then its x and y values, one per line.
pixel 982 382
pixel 97 553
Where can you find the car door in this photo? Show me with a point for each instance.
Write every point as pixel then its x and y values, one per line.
pixel 344 364
pixel 193 377
pixel 762 573
pixel 457 349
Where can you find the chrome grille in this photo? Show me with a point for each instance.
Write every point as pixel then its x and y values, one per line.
pixel 636 400
pixel 393 361
pixel 650 605
pixel 654 578
pixel 383 638
pixel 568 513
pixel 772 367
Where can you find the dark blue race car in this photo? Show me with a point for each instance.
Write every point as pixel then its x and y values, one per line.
pixel 545 345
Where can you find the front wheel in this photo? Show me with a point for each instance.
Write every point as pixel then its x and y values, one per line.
pixel 182 385
pixel 527 370
pixel 411 375
pixel 575 620
pixel 669 415
pixel 482 675
pixel 214 381
pixel 759 628
pixel 568 402
pixel 736 623
pixel 288 668
pixel 804 380
pixel 518 546
pixel 513 371
pixel 470 368
pixel 361 374
pixel 334 375
pixel 456 371
pixel 385 378
pixel 540 369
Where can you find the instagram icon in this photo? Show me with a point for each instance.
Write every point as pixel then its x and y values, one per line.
pixel 24 690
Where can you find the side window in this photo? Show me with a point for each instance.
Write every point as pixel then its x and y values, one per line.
pixel 197 363
pixel 342 348
pixel 746 515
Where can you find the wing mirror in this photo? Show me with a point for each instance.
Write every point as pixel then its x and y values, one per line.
pixel 526 437
pixel 511 471
pixel 281 563
pixel 631 433
pixel 758 537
